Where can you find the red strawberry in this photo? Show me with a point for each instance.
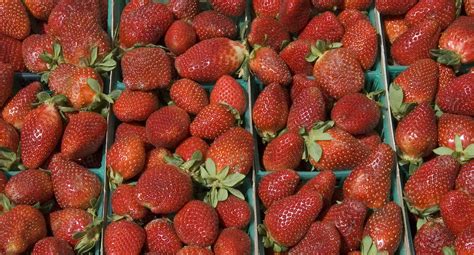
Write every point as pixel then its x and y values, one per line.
pixel 371 140
pixel 179 37
pixel 125 130
pixel 326 5
pixel 429 183
pixel 268 8
pixel 348 217
pixel 228 91
pixel 35 45
pixel 66 10
pixel 446 73
pixel 233 212
pixel 161 237
pixel 299 83
pixel 455 43
pixel 123 237
pixel 398 7
pixel 232 241
pixel 14 19
pixel 69 222
pixel 277 185
pixel 135 105
pixel 267 31
pixel 270 111
pixel 307 109
pixel 188 147
pixel 465 179
pixel 184 9
pixel 52 245
pixel 450 125
pixel 164 189
pixel 294 56
pixel 11 53
pixel 361 39
pixel 84 89
pixel 197 224
pixel 74 186
pixel 157 157
pixel 146 69
pixel 324 183
pixel 30 187
pixel 233 149
pixel 233 8
pixel 124 202
pixel 321 238
pixel 469 7
pixel 416 42
pixel 58 80
pixel 360 5
pixel 212 121
pixel 189 95
pixel 40 9
pixel 356 114
pixel 294 14
pixel 9 138
pixel 458 96
pixel 167 127
pixel 211 24
pixel 457 210
pixel 325 26
pixel 283 152
pixel 194 250
pixel 144 25
pixel 126 157
pixel 463 243
pixel 20 105
pixel 394 27
pixel 269 67
pixel 22 226
pixel 349 17
pixel 441 11
pixel 432 237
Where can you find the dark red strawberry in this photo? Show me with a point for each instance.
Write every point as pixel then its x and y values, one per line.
pixel 35 45
pixel 441 11
pixel 371 140
pixel 11 53
pixel 232 241
pixel 465 179
pixel 161 237
pixel 167 127
pixel 349 17
pixel 356 114
pixel 360 5
pixel 125 130
pixel 212 121
pixel 20 105
pixel 390 7
pixel 189 95
pixel 233 212
pixel 294 14
pixel 211 24
pixel 157 157
pixel 269 67
pixel 269 8
pixel 14 19
pixel 452 125
pixel 194 250
pixel 324 183
pixel 184 9
pixel 295 55
pixel 52 245
pixel 124 237
pixel 9 138
pixel 361 39
pixel 325 26
pixel 188 147
pixel 30 187
pixel 135 105
pixel 267 31
pixel 124 202
pixel 179 37
pixel 228 91
pixel 233 8
pixel 277 185
pixel 321 238
pixel 432 237
pixel 307 109
pixel 457 210
pixel 126 157
pixel 463 243
pixel 283 152
pixel 457 97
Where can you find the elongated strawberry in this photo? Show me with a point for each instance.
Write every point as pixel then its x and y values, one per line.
pixel 457 97
pixel 324 183
pixel 126 157
pixel 443 12
pixel 124 202
pixel 394 27
pixel 228 91
pixel 232 241
pixel 269 8
pixel 321 238
pixel 294 55
pixel 283 152
pixel 325 26
pixel 161 237
pixel 269 67
pixel 356 114
pixel 11 53
pixel 361 39
pixel 135 105
pixel 180 36
pixel 52 245
pixel 184 9
pixel 124 237
pixel 35 45
pixel 189 95
pixel 15 19
pixel 267 32
pixel 212 121
pixel 398 7
pixel 463 243
pixel 450 125
pixel 211 24
pixel 457 210
pixel 455 44
pixel 465 180
pixel 432 237
pixel 30 187
pixel 233 212
pixel 20 105
pixel 349 17
pixel 232 8
pixel 277 185
pixel 167 127
pixel 307 109
pixel 6 82
pixel 294 14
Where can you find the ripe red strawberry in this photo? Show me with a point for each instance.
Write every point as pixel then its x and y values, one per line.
pixel 469 7
pixel 167 127
pixel 287 220
pixel 234 149
pixel 233 212
pixel 432 237
pixel 35 45
pixel 194 250
pixel 232 241
pixel 300 82
pixel 14 19
pixel 356 114
pixel 465 180
pixel 294 56
pixel 188 147
pixel 398 7
pixel 326 5
pixel 463 243
pixel 20 105
pixel 69 222
pixel 233 8
pixel 83 135
pixel 52 245
pixel 157 157
pixel 146 69
pixel 325 26
pixel 361 39
pixel 40 9
pixel 268 8
pixel 145 24
pixel 228 91
pixel 457 210
pixel 283 152
pixel 416 134
pixel 126 157
pixel 416 42
pixel 211 24
pixel 267 31
pixel 212 121
pixel 30 187
pixel 458 96
pixel 11 53
pixel 197 224
pixel 394 27
pixel 360 5
pixel 164 189
pixel 371 140
pixel 161 237
pixel 270 111
pixel 450 125
pixel 124 202
pixel 441 11
pixel 349 17
pixel 125 130
pixel 22 226
pixel 67 10
pixel 9 138
pixel 277 185
pixel 124 237
pixel 294 14
pixel 135 105
pixel 269 67
pixel 348 217
pixel 321 238
pixel 446 73
pixel 179 37
pixel 189 95
pixel 84 88
pixel 184 9
pixel 58 80
pixel 454 43
pixel 429 183
pixel 74 186
pixel 307 109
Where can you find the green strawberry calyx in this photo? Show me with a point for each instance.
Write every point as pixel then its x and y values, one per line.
pixel 101 101
pixel 106 64
pixel 268 241
pixel 52 61
pixel 399 108
pixel 191 167
pixel 5 203
pixel 319 48
pixel 446 57
pixel 9 160
pixel 89 237
pixel 115 178
pixel 463 155
pixel 59 101
pixel 318 133
pixel 234 112
pixel 423 213
pixel 449 250
pixel 368 247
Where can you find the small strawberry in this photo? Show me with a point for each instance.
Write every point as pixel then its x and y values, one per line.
pixel 135 105
pixel 211 24
pixel 20 105
pixel 307 109
pixel 269 67
pixel 34 46
pixel 11 53
pixel 52 245
pixel 277 185
pixel 124 237
pixel 191 145
pixel 161 237
pixel 232 8
pixel 360 5
pixel 6 83
pixel 125 130
pixel 441 11
pixel 361 39
pixel 189 95
pixel 294 14
pixel 356 114
pixel 325 26
pixel 233 212
pixel 267 31
pixel 194 250
pixel 326 5
pixel 457 210
pixel 14 19
pixel 9 138
pixel 294 55
pixel 463 243
pixel 29 187
pixel 212 121
pixel 167 127
pixel 232 241
pixel 394 27
pixel 457 97
pixel 452 125
pixel 269 8
pixel 465 180
pixel 371 140
pixel 228 91
pixel 446 74
pixel 398 7
pixel 184 9
pixel 124 202
pixel 283 152
pixel 432 237
pixel 179 37
pixel 321 238
pixel 349 17
pixel 324 183
pixel 126 158
pixel 157 157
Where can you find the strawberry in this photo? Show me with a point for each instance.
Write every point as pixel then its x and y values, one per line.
pixel 233 212
pixel 52 245
pixel 294 55
pixel 11 53
pixel 74 186
pixel 179 37
pixel 457 210
pixel 124 202
pixel 164 189
pixel 20 105
pixel 294 14
pixel 269 67
pixel 189 95
pixel 458 96
pixel 58 80
pixel 398 7
pixel 135 105
pixel 432 237
pixel 66 10
pixel 454 43
pixel 416 42
pixel 446 73
pixel 126 157
pixel 233 149
pixel 325 26
pixel 188 147
pixel 167 127
pixel 283 152
pixel 212 121
pixel 416 134
pixel 465 181
pixel 228 91
pixel 144 25
pixel 233 8
pixel 288 219
pixel 146 69
pixel 360 5
pixel 324 183
pixel 83 135
pixel 371 140
pixel 348 217
pixel 429 183
pixel 40 9
pixel 270 111
pixel 307 109
pixel 232 241
pixel 394 27
pixel 35 45
pixel 125 130
pixel 269 8
pixel 443 12
pixel 67 223
pixel 124 237
pixel 211 24
pixel 194 250
pixel 361 39
pixel 157 157
pixel 356 114
pixel 469 7
pixel 326 5
pixel 349 17
pixel 84 89
pixel 321 238
pixel 299 83
pixel 452 125
pixel 267 31
pixel 9 138
pixel 161 237
pixel 14 19
pixel 197 224
pixel 30 187
pixel 184 9
pixel 277 185
pixel 463 243
pixel 22 226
